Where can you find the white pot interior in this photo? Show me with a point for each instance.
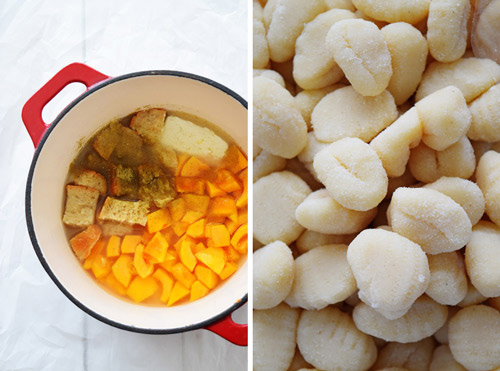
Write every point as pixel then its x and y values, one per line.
pixel 114 100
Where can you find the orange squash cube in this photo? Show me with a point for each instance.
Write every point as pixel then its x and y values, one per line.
pixel 242 246
pixel 227 181
pixel 228 270
pixel 180 228
pixel 101 266
pixel 142 288
pixel 235 160
pixel 183 275
pixel 231 254
pixel 157 247
pixel 113 246
pixel 186 255
pixel 196 202
pixel 171 259
pixel 98 249
pixel 167 282
pixel 221 206
pixel 190 185
pixel 197 229
pixel 214 191
pixel 143 267
pixel 240 234
pixel 219 235
pixel 178 293
pixel 179 242
pixel 191 216
pixel 129 243
pixel 206 276
pixel 200 246
pixel 243 199
pixel 194 167
pixel 122 269
pixel 212 257
pixel 111 282
pixel 158 220
pixel 181 160
pixel 198 290
pixel 177 209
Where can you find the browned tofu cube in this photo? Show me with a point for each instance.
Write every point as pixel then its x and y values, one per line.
pixel 81 204
pixel 122 211
pixel 91 179
pixel 149 123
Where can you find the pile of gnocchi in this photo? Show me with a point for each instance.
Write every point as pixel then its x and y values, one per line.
pixel 376 170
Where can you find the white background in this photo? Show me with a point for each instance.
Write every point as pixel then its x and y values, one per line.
pixel 40 329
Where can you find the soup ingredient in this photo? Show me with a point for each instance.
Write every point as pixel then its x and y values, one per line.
pixel 149 124
pixel 123 211
pixel 185 137
pixel 81 204
pixel 83 243
pixel 91 179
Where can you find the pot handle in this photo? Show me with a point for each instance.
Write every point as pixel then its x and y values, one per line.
pixel 32 110
pixel 234 332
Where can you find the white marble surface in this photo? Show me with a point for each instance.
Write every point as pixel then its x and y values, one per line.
pixel 40 329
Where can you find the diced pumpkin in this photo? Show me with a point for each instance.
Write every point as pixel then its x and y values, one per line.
pixel 178 293
pixel 180 228
pixel 170 236
pixel 212 257
pixel 197 229
pixel 142 288
pixel 231 254
pixel 216 219
pixel 83 243
pixel 196 202
pixel 198 290
pixel 230 225
pixel 240 234
pixel 129 243
pixel 190 185
pixel 181 160
pixel 158 220
pixel 206 276
pixel 227 181
pixel 228 270
pixel 221 206
pixel 122 269
pixel 146 237
pixel 111 282
pixel 183 275
pixel 242 246
pixel 143 268
pixel 243 199
pixel 214 191
pixel 200 246
pixel 192 216
pixel 194 167
pixel 101 266
pixel 171 259
pixel 177 209
pixel 242 216
pixel 98 249
pixel 233 217
pixel 186 255
pixel 166 281
pixel 185 237
pixel 234 159
pixel 113 246
pixel 220 235
pixel 157 247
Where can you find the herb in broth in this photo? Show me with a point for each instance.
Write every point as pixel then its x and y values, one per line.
pixel 156 207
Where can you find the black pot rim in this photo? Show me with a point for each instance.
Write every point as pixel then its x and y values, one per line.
pixel 29 218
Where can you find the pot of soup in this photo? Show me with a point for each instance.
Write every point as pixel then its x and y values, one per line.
pixel 136 199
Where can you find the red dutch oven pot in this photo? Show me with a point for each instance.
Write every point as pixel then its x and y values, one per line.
pixel 57 144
